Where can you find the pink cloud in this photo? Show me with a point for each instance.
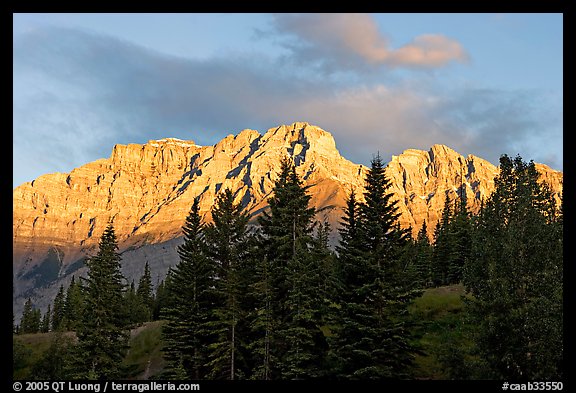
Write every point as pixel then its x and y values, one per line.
pixel 353 40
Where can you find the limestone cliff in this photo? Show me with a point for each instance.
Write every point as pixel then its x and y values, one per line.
pixel 147 191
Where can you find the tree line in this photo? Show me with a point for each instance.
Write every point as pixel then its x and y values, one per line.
pixel 274 301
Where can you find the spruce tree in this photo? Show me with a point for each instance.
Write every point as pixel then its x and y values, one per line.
pixel 460 230
pixel 160 298
pixel 102 339
pixel 298 344
pixel 226 239
pixel 186 299
pixel 423 256
pixel 59 310
pixel 45 325
pixel 30 322
pixel 515 276
pixel 372 341
pixel 323 255
pixel 144 292
pixel 135 312
pixel 261 320
pixel 443 250
pixel 74 305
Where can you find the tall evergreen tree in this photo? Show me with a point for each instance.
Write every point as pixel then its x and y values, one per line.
pixel 161 297
pixel 261 320
pixel 423 256
pixel 74 305
pixel 515 275
pixel 102 339
pixel 59 310
pixel 134 310
pixel 188 300
pixel 326 260
pixel 45 325
pixel 297 345
pixel 443 244
pixel 145 293
pixel 30 322
pixel 371 340
pixel 460 230
pixel 226 239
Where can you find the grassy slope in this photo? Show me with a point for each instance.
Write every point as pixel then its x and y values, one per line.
pixel 143 360
pixel 441 329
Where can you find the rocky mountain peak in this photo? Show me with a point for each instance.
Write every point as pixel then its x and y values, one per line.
pixel 147 190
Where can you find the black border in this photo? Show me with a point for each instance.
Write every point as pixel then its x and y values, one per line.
pixel 512 6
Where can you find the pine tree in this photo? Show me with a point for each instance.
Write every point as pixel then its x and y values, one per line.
pixel 135 312
pixel 515 276
pixel 59 310
pixel 160 298
pixel 144 292
pixel 297 345
pixel 327 266
pixel 102 339
pixel 460 231
pixel 45 325
pixel 186 303
pixel 423 257
pixel 30 322
pixel 74 305
pixel 371 340
pixel 350 244
pixel 443 244
pixel 226 239
pixel 261 320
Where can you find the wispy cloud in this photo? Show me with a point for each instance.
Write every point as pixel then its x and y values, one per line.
pixel 76 94
pixel 353 42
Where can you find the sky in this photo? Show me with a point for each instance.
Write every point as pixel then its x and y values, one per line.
pixel 482 84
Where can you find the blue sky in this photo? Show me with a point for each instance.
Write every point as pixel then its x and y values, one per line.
pixel 483 84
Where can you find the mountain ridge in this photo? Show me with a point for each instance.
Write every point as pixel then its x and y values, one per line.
pixel 147 190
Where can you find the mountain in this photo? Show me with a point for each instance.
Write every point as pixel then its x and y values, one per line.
pixel 147 191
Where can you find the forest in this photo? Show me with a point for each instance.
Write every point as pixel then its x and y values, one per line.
pixel 274 301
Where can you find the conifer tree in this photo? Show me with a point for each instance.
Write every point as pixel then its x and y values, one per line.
pixel 160 297
pixel 102 339
pixel 144 292
pixel 297 345
pixel 59 310
pixel 30 322
pixel 460 231
pixel 423 251
pixel 135 312
pixel 326 260
pixel 226 239
pixel 186 299
pixel 74 305
pixel 515 275
pixel 45 326
pixel 261 320
pixel 443 244
pixel 371 341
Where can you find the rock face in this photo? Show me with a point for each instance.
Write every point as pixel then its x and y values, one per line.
pixel 147 191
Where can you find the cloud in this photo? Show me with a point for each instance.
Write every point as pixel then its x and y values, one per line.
pixel 353 42
pixel 76 94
